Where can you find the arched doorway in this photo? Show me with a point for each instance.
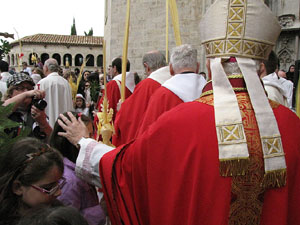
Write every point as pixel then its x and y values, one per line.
pixel 90 60
pixel 13 59
pixel 78 60
pixel 100 60
pixel 67 57
pixel 44 57
pixel 57 57
pixel 8 59
pixel 30 61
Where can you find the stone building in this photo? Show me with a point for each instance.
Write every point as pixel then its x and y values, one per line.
pixel 63 48
pixel 147 28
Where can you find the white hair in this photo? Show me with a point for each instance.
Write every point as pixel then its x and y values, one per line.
pixel 184 56
pixel 232 68
pixel 154 60
pixel 52 65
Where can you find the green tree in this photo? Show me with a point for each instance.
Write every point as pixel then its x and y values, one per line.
pixel 73 28
pixel 6 139
pixel 90 33
pixel 4 48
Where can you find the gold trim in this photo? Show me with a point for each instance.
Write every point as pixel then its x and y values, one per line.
pixel 233 167
pixel 211 91
pixel 275 179
pixel 235 43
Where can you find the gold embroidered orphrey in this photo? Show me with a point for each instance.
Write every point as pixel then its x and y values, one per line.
pixel 229 134
pixel 235 43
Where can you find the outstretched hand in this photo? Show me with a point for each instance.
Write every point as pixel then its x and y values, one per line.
pixel 75 129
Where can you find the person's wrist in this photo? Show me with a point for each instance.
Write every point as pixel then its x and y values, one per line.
pixel 79 143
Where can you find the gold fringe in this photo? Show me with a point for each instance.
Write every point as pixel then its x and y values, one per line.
pixel 274 179
pixel 233 167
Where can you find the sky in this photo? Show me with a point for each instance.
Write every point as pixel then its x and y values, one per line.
pixel 31 17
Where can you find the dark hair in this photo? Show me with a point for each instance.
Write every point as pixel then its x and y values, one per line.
pixel 3 66
pixel 291 67
pixel 118 64
pixel 62 215
pixel 62 144
pixel 272 63
pixel 93 77
pixel 16 165
pixel 137 78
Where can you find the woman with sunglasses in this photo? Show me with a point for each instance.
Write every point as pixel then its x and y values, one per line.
pixel 76 192
pixel 30 175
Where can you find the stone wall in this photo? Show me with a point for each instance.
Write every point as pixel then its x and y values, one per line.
pixel 147 28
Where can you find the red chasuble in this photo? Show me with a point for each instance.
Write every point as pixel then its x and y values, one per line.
pixel 170 173
pixel 131 113
pixel 161 101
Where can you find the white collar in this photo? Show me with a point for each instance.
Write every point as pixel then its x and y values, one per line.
pixel 188 86
pixel 161 75
pixel 272 80
pixel 130 84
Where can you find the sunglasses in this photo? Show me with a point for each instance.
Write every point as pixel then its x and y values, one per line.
pixel 53 190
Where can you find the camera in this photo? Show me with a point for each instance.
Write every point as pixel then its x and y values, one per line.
pixel 41 104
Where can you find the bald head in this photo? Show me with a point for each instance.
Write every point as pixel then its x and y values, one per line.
pixel 50 66
pixel 152 61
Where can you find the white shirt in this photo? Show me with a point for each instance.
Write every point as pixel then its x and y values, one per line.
pixel 87 163
pixel 28 70
pixel 36 78
pixel 274 89
pixel 5 76
pixel 288 86
pixel 58 96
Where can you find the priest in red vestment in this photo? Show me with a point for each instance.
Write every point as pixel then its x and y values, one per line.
pixel 185 86
pixel 131 113
pixel 114 89
pixel 114 86
pixel 230 157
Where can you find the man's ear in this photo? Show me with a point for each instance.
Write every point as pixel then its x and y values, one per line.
pixel 262 70
pixel 147 69
pixel 171 69
pixel 208 69
pixel 17 188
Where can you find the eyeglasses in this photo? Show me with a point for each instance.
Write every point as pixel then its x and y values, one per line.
pixel 53 190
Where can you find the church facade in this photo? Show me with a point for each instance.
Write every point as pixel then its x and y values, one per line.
pixel 148 28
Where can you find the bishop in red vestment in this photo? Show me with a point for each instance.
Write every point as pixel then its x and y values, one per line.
pixel 177 172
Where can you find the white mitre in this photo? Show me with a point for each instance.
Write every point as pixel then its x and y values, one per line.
pixel 246 30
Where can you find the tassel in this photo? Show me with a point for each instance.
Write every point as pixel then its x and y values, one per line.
pixel 274 179
pixel 233 167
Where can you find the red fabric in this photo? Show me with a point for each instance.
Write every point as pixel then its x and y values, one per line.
pixel 170 174
pixel 132 110
pixel 161 101
pixel 113 97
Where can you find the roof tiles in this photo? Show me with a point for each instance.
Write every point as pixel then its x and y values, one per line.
pixel 61 39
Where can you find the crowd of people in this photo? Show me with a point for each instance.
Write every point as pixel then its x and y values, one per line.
pixel 188 147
